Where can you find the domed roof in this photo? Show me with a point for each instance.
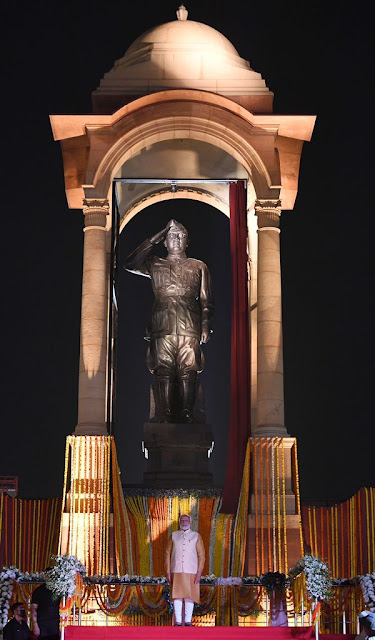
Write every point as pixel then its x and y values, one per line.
pixel 185 33
pixel 182 54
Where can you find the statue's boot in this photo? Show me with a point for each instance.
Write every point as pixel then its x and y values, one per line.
pixel 164 387
pixel 188 385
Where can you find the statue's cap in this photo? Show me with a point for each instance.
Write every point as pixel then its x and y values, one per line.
pixel 176 226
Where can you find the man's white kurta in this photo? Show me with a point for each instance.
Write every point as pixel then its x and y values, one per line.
pixel 184 557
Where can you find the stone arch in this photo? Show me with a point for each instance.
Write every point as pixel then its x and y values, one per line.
pixel 192 194
pixel 202 120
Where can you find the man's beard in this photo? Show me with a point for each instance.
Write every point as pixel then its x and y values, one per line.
pixel 184 527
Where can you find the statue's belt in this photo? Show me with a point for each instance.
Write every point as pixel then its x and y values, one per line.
pixel 166 297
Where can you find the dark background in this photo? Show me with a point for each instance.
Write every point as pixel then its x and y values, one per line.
pixel 315 57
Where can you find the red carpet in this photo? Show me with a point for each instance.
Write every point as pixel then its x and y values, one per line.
pixel 198 633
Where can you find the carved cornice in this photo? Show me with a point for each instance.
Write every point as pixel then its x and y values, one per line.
pixel 95 211
pixel 268 213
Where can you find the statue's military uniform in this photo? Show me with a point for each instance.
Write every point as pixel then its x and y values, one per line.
pixel 183 298
pixel 183 308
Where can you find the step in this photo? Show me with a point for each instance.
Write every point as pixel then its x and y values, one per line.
pixel 192 633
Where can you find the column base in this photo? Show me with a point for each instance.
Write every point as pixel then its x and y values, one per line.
pixel 289 501
pixel 266 548
pixel 82 523
pixel 270 431
pixel 87 530
pixel 275 534
pixel 91 429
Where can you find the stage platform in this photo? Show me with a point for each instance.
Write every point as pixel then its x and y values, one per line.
pixel 198 633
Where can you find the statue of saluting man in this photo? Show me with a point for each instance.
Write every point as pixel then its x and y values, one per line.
pixel 180 322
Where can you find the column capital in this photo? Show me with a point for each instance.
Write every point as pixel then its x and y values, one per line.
pixel 95 211
pixel 268 213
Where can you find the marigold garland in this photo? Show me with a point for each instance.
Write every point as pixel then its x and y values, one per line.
pixel 344 534
pixel 241 520
pixel 144 522
pixel 29 532
pixel 86 501
pixel 270 497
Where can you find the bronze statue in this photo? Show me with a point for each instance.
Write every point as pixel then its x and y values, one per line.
pixel 180 322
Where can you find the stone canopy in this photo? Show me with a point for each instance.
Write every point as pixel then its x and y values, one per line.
pixel 177 55
pixel 182 104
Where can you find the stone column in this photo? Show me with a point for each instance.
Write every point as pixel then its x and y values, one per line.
pixel 270 392
pixel 93 355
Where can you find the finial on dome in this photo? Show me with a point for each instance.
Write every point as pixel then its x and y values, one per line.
pixel 182 13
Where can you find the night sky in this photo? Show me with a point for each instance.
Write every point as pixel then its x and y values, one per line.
pixel 315 57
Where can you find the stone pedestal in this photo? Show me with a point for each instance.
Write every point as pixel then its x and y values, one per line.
pixel 274 541
pixel 178 455
pixel 260 552
pixel 87 528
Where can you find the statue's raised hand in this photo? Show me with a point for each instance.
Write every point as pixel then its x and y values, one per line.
pixel 160 237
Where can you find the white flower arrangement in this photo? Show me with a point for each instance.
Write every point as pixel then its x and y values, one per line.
pixel 151 580
pixel 318 577
pixel 7 577
pixel 61 579
pixel 367 583
pixel 229 582
pixel 111 578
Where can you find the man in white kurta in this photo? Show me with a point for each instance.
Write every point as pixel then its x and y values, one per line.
pixel 184 562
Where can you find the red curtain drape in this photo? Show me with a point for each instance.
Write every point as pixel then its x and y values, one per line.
pixel 240 353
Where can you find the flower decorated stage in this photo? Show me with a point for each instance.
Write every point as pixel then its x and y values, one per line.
pixel 121 537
